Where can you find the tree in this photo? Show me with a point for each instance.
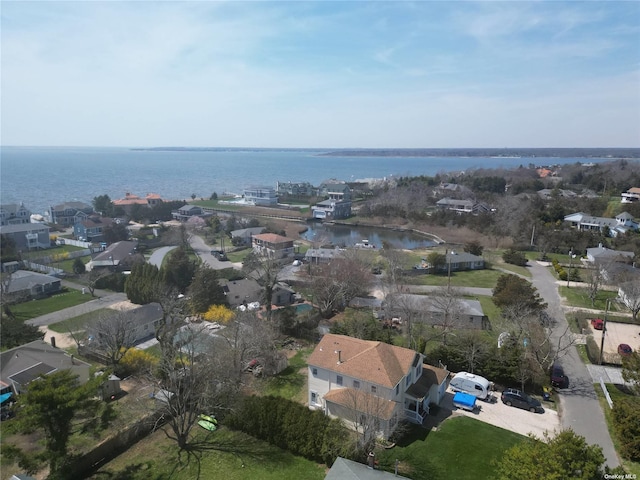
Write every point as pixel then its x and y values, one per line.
pixel 630 291
pixel 214 196
pixel 514 257
pixel 359 324
pixel 567 455
pixel 474 248
pixel 15 332
pixel 437 261
pixel 265 270
pixel 219 313
pixel 57 404
pixel 78 266
pixel 113 335
pixel 116 232
pixel 103 205
pixel 143 284
pixel 594 281
pixel 178 270
pixel 205 290
pixel 511 290
pixel 626 422
pixel 446 308
pixel 8 250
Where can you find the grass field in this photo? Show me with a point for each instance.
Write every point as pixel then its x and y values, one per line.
pixel 462 448
pixel 471 278
pixel 290 383
pixel 79 322
pixel 221 454
pixel 34 308
pixel 579 297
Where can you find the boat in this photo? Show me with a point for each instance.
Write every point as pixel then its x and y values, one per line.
pixel 364 244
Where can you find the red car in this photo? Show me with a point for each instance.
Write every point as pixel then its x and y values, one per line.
pixel 624 349
pixel 597 323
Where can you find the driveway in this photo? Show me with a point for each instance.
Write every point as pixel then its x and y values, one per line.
pixel 204 252
pixel 510 418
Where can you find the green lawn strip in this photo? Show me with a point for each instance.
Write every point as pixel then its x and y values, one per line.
pixel 579 297
pixel 488 307
pixel 615 394
pixel 470 278
pixel 78 322
pixel 462 448
pixel 35 308
pixel 221 454
pixel 290 383
pixel 238 256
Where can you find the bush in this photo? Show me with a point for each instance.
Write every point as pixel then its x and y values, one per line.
pixel 514 257
pixel 593 351
pixel 114 282
pixel 562 274
pixel 627 426
pixel 291 426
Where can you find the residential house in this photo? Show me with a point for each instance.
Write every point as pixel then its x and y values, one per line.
pixel 343 469
pixel 129 200
pixel 91 229
pixel 614 265
pixel 248 291
pixel 14 214
pixel 462 206
pixel 21 365
pixel 337 205
pixel 295 189
pixel 454 262
pixel 26 284
pixel 465 314
pixel 142 323
pixel 186 212
pixel 243 235
pixel 322 255
pixel 622 223
pixel 631 196
pixel 115 256
pixel 272 245
pixel 27 236
pixel 65 213
pixel 371 383
pixel 261 196
pixel 601 254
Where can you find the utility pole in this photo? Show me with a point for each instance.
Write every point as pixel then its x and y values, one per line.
pixel 604 330
pixel 571 257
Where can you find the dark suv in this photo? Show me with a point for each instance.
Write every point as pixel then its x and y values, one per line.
pixel 516 398
pixel 558 378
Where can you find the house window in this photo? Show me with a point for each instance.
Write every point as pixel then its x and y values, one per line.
pixel 356 384
pixel 374 389
pixel 314 398
pixel 314 371
pixel 408 380
pixel 339 379
pixel 397 389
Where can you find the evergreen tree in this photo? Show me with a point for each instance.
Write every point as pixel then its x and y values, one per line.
pixel 143 284
pixel 179 270
pixel 205 290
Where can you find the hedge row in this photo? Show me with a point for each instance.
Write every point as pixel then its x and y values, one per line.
pixel 292 427
pixel 562 274
pixel 627 426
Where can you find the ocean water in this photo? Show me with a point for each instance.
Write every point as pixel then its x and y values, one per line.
pixel 44 176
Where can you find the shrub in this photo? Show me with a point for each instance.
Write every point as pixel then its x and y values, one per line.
pixel 562 274
pixel 593 351
pixel 627 426
pixel 136 361
pixel 514 257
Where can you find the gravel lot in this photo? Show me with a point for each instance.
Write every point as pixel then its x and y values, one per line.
pixel 510 418
pixel 617 333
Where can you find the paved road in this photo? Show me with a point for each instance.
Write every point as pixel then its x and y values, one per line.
pixel 204 252
pixel 158 255
pixel 580 408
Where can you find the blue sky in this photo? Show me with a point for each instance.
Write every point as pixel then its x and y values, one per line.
pixel 321 74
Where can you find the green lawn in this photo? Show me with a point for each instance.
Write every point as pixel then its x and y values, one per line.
pixel 239 255
pixel 79 322
pixel 471 278
pixel 462 448
pixel 579 297
pixel 290 383
pixel 222 454
pixel 35 308
pixel 629 466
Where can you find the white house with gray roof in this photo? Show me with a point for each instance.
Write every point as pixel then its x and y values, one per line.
pixel 622 223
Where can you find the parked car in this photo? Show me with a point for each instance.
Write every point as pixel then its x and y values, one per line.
pixel 558 378
pixel 624 349
pixel 516 398
pixel 597 323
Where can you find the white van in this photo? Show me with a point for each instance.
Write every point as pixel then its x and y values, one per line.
pixel 472 384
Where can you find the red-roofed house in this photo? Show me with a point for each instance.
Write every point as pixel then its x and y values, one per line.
pixel 372 385
pixel 151 200
pixel 272 245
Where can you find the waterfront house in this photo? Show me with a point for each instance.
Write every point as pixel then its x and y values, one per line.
pixel 21 365
pixel 372 385
pixel 462 206
pixel 337 203
pixel 27 236
pixel 295 189
pixel 129 200
pixel 260 196
pixel 14 214
pixel 272 245
pixel 186 212
pixel 321 255
pixel 622 223
pixel 65 213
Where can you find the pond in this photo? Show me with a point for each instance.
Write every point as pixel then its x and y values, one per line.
pixel 350 235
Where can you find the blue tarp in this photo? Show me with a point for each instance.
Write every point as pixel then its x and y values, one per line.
pixel 464 400
pixel 5 396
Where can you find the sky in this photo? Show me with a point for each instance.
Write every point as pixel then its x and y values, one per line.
pixel 329 74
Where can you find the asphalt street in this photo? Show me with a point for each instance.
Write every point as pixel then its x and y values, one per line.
pixel 580 408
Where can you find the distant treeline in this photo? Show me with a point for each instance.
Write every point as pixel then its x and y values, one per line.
pixel 612 153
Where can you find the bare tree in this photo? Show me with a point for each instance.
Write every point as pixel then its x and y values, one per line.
pixel 366 413
pixel 112 335
pixel 265 270
pixel 594 282
pixel 630 296
pixel 446 308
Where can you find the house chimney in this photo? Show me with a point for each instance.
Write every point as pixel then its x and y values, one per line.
pixel 53 341
pixel 339 352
